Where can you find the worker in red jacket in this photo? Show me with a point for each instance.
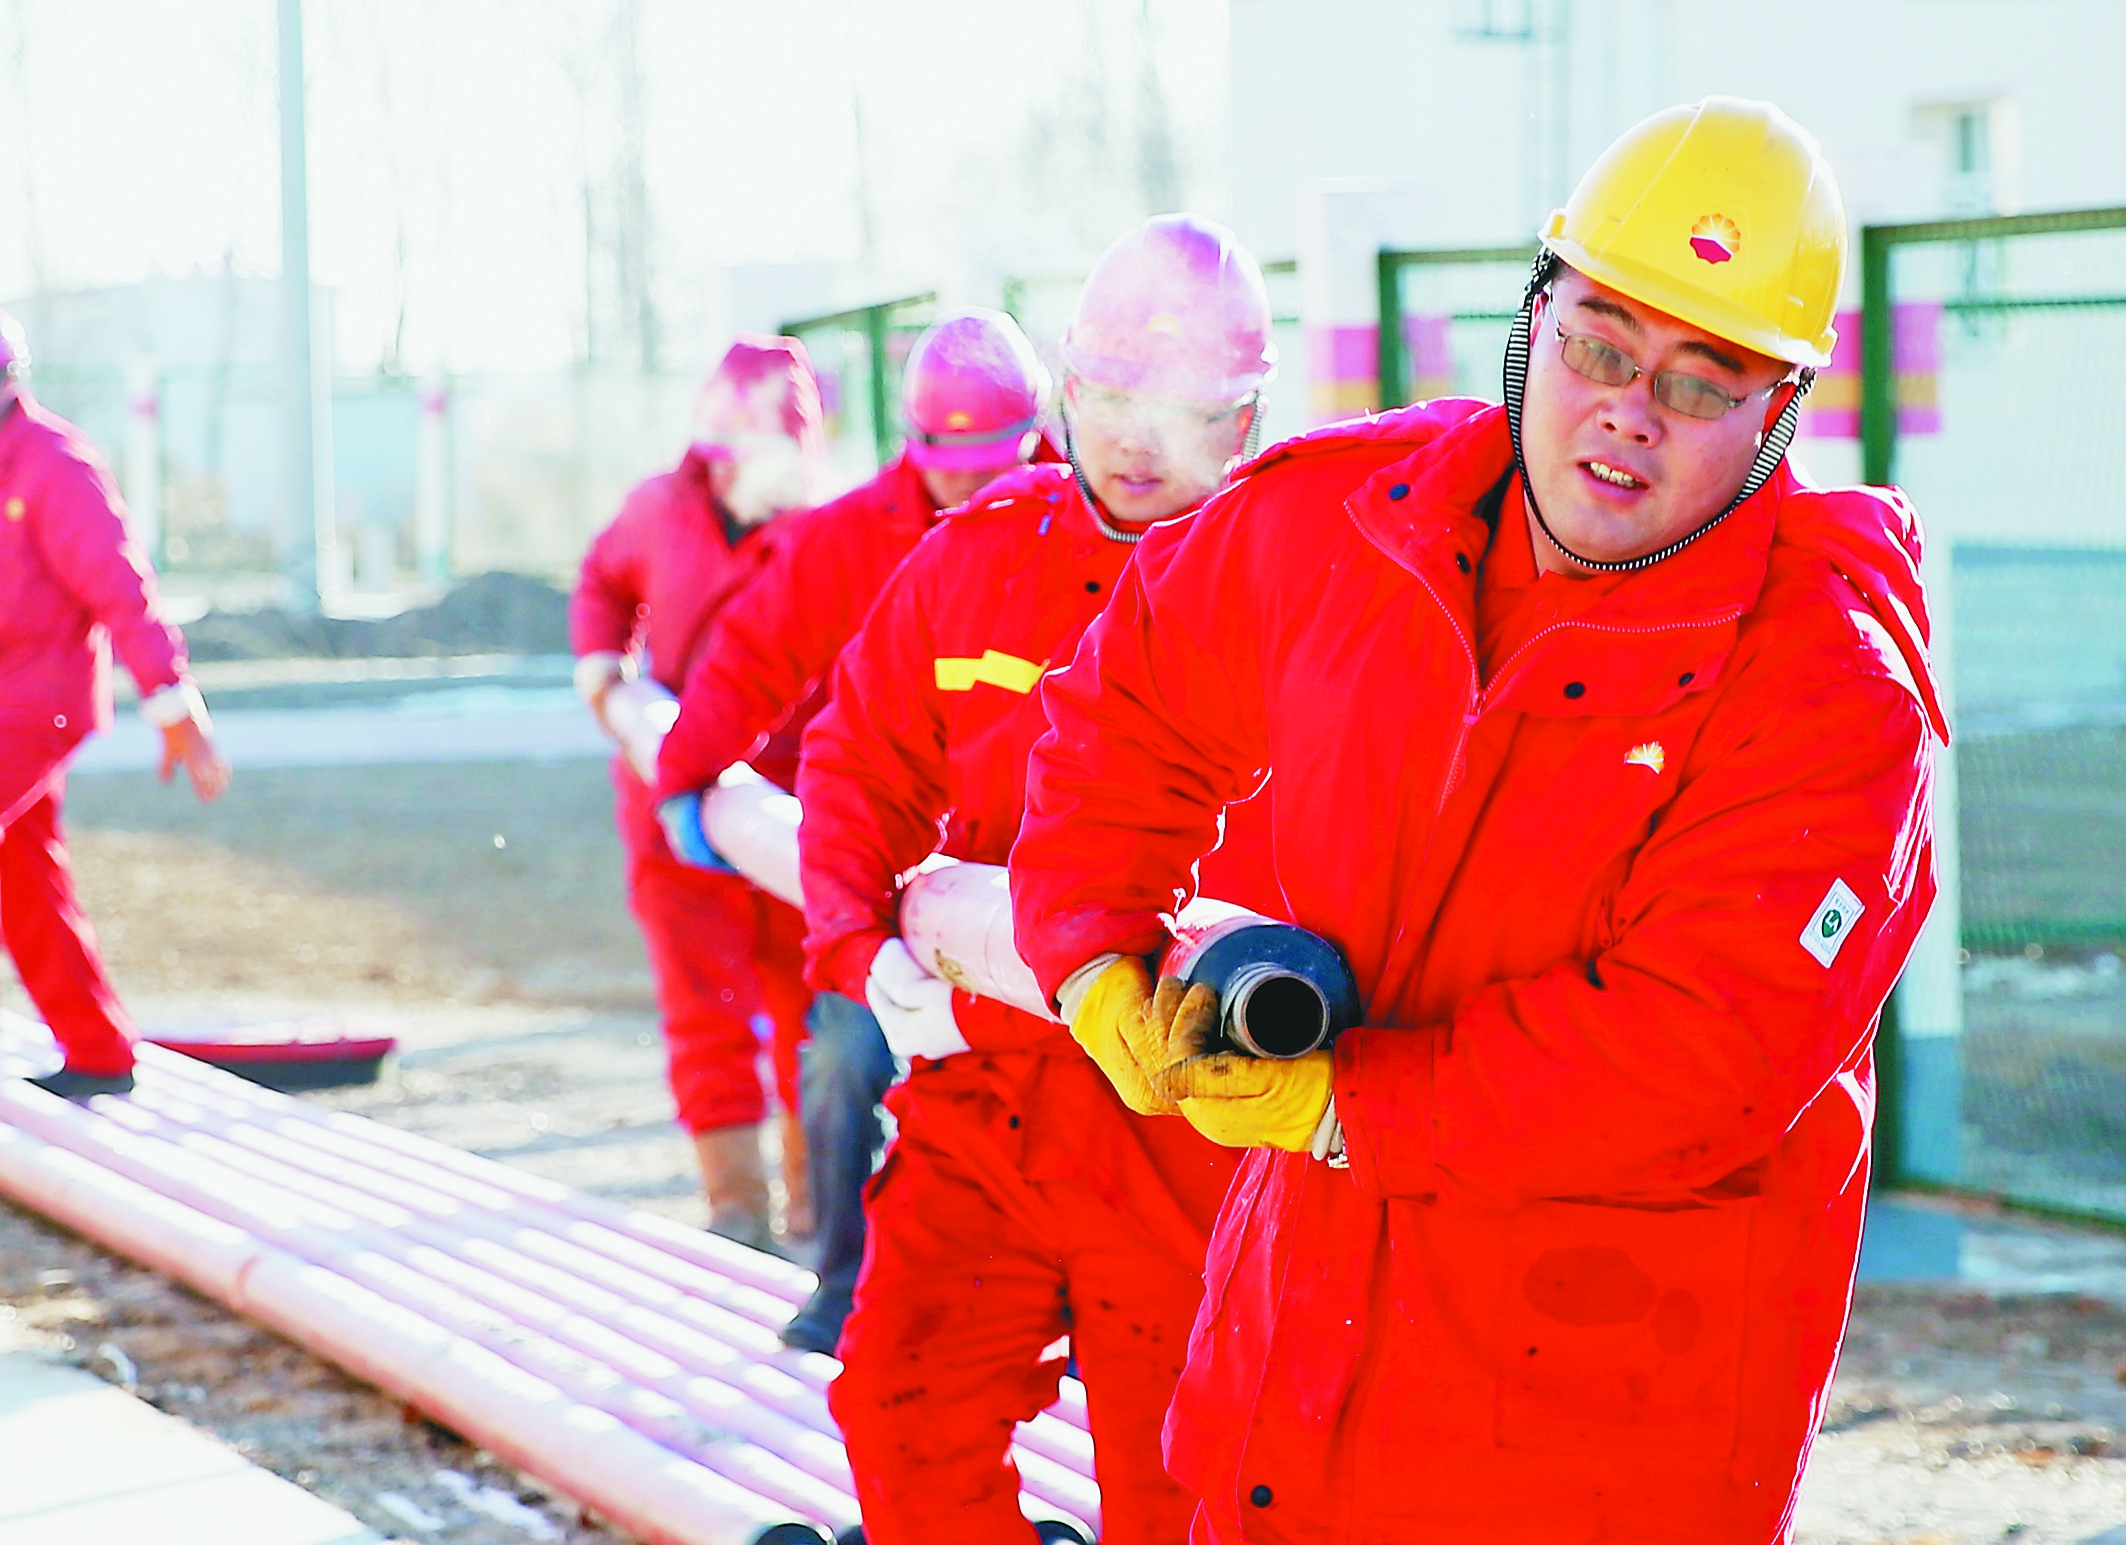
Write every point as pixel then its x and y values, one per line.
pixel 972 398
pixel 1603 749
pixel 73 588
pixel 684 543
pixel 1020 1201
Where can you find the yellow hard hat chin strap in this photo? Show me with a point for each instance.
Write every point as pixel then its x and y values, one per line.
pixel 1771 450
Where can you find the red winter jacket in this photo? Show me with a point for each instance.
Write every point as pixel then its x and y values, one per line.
pixel 933 715
pixel 659 574
pixel 768 654
pixel 72 584
pixel 934 711
pixel 1586 1273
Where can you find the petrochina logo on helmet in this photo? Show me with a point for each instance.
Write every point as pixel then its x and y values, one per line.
pixel 1715 238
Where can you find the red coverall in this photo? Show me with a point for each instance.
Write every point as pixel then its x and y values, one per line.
pixel 1021 1200
pixel 72 586
pixel 765 660
pixel 1586 1274
pixel 719 949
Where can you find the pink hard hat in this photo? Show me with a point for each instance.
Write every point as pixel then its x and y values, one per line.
pixel 764 386
pixel 14 348
pixel 1175 308
pixel 972 394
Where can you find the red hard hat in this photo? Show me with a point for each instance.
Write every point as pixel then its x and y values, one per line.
pixel 764 386
pixel 1176 308
pixel 14 348
pixel 972 394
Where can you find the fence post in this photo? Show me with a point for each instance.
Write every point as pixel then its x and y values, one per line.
pixel 875 335
pixel 143 458
pixel 1392 364
pixel 1878 364
pixel 431 485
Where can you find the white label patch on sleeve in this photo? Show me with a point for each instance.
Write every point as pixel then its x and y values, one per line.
pixel 1832 920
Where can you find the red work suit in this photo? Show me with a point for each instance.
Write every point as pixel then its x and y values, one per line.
pixel 1021 1200
pixel 719 949
pixel 1624 909
pixel 764 664
pixel 72 587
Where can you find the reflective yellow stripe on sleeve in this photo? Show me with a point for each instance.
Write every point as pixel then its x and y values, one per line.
pixel 959 673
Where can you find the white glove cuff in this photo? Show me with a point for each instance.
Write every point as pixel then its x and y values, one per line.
pixel 173 705
pixel 1328 1141
pixel 1080 982
pixel 596 672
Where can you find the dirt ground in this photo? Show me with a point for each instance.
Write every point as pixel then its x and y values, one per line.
pixel 516 984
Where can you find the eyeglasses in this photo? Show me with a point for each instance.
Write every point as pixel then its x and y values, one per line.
pixel 1607 365
pixel 1116 411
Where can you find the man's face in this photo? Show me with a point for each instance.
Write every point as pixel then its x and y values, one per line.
pixel 1148 458
pixel 1617 473
pixel 758 475
pixel 949 490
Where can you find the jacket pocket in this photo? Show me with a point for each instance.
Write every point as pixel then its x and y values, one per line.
pixel 1622 1329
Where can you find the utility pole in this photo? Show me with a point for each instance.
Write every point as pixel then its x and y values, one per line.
pixel 307 538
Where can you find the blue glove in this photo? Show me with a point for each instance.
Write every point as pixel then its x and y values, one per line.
pixel 680 816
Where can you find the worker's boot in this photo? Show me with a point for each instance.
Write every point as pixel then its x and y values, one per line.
pixel 798 1220
pixel 737 1184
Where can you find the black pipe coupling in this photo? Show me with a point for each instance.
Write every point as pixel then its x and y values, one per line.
pixel 1282 991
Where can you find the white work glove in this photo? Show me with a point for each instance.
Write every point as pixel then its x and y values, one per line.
pixel 914 1008
pixel 595 675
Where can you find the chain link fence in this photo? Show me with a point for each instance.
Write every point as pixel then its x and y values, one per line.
pixel 1992 379
pixel 1986 374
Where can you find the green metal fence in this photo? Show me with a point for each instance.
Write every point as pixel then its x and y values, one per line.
pixel 1993 389
pixel 1985 373
pixel 1443 320
pixel 858 355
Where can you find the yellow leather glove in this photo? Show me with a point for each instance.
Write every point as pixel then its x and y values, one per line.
pixel 1128 1029
pixel 1249 1102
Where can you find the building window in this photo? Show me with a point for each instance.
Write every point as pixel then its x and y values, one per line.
pixel 1513 20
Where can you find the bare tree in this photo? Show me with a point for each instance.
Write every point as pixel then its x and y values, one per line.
pixel 1158 171
pixel 18 60
pixel 601 55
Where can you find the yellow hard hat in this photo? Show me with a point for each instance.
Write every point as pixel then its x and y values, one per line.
pixel 1724 215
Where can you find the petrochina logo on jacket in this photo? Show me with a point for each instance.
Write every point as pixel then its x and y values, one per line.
pixel 1648 755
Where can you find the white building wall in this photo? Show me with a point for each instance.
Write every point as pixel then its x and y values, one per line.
pixel 1470 140
pixel 1493 131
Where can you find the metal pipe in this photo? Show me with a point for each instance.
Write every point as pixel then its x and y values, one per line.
pixel 714 1315
pixel 648 1489
pixel 639 714
pixel 753 824
pixel 1282 990
pixel 384 1250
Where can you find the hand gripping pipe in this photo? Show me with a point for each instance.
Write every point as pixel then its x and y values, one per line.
pixel 639 714
pixel 1282 991
pixel 753 824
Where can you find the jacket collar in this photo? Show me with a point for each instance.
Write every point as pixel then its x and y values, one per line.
pixel 1654 636
pixel 1719 575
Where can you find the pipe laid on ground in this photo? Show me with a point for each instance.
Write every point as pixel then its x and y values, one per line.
pixel 492 1294
pixel 377 1247
pixel 647 1489
pixel 667 1313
